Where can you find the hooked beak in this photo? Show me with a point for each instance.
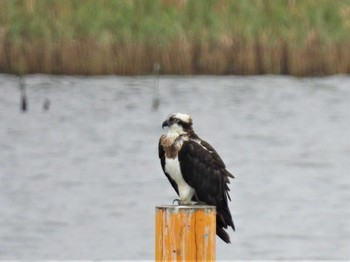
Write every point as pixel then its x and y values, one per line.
pixel 165 123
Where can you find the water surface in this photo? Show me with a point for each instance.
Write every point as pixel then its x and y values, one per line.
pixel 81 180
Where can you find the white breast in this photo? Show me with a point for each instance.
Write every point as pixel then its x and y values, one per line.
pixel 172 167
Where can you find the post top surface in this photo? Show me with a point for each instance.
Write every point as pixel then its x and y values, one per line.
pixel 176 207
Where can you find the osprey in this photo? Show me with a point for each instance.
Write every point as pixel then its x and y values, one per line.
pixel 195 170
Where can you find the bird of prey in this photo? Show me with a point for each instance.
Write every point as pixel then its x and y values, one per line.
pixel 195 170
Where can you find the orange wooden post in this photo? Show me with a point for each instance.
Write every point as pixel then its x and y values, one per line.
pixel 185 233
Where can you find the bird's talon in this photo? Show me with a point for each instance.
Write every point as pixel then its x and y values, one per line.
pixel 178 202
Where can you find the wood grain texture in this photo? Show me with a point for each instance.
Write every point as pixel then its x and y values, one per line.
pixel 185 233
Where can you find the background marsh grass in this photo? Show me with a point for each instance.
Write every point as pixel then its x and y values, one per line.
pixel 185 37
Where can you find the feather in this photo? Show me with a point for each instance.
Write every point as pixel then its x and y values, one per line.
pixel 195 170
pixel 204 170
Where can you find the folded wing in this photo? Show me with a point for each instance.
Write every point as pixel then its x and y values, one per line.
pixel 204 170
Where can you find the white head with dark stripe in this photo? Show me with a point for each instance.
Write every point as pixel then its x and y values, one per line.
pixel 178 124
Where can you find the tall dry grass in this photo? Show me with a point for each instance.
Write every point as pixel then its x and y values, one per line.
pixel 88 57
pixel 185 37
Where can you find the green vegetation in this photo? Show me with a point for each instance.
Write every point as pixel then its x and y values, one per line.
pixel 308 37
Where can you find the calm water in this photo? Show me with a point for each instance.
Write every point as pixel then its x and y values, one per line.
pixel 81 180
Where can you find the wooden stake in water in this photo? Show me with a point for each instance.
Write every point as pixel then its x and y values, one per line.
pixel 22 87
pixel 185 233
pixel 156 99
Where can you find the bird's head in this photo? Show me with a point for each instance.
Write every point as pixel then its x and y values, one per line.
pixel 178 124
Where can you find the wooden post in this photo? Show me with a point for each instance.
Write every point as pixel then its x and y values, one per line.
pixel 185 233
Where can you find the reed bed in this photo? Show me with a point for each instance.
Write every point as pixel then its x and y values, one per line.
pixel 301 38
